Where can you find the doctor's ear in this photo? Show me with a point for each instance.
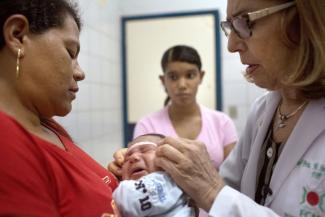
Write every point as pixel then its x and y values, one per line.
pixel 15 29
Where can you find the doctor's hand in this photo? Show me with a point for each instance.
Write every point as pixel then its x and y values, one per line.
pixel 189 164
pixel 116 166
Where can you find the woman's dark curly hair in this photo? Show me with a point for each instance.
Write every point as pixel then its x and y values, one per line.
pixel 41 14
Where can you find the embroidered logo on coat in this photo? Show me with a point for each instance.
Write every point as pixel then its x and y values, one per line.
pixel 317 169
pixel 313 201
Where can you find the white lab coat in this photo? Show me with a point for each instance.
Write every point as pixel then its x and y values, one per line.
pixel 298 180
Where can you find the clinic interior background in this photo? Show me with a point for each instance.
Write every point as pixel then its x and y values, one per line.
pixel 95 122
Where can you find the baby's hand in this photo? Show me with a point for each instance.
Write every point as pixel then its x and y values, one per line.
pixel 116 166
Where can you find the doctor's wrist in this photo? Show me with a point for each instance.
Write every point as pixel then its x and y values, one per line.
pixel 212 193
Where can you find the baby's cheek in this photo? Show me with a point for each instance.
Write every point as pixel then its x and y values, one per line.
pixel 154 167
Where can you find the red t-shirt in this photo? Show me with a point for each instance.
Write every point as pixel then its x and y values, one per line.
pixel 39 179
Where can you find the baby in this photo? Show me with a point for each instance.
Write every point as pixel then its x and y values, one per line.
pixel 145 190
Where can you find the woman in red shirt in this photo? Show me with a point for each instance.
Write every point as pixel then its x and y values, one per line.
pixel 42 172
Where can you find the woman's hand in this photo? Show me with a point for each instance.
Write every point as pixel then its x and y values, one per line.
pixel 116 166
pixel 189 164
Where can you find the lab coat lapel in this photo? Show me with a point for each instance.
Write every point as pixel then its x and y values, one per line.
pixel 248 185
pixel 309 126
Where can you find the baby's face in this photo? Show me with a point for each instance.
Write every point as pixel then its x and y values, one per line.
pixel 139 159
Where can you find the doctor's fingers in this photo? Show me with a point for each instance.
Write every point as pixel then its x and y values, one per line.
pixel 175 163
pixel 197 177
pixel 181 144
pixel 166 152
pixel 181 166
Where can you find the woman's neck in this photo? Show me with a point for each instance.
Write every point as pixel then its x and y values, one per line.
pixel 29 119
pixel 181 112
pixel 186 120
pixel 12 105
pixel 290 99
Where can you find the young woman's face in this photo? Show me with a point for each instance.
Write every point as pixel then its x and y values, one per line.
pixel 50 70
pixel 264 53
pixel 181 81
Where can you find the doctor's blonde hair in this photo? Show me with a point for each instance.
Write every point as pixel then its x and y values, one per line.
pixel 304 32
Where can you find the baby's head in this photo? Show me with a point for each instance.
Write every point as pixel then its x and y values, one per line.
pixel 139 159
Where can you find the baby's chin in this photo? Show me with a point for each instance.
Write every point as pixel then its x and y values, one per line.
pixel 137 175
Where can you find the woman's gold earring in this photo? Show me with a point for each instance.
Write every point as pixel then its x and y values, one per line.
pixel 18 63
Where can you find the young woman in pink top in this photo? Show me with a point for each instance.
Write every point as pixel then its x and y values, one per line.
pixel 182 116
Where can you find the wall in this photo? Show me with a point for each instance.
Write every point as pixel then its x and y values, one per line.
pixel 237 93
pixel 95 122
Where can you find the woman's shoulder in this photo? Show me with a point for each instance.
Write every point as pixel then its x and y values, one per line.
pixel 157 122
pixel 10 129
pixel 214 114
pixel 18 148
pixel 6 120
pixel 155 116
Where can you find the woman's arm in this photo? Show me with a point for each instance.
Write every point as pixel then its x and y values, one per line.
pixel 227 149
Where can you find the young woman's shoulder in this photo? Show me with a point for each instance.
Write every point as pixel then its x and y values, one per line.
pixel 155 116
pixel 214 114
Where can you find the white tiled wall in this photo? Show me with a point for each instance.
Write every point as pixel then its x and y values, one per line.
pixel 96 119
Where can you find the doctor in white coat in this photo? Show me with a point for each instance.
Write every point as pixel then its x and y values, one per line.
pixel 278 166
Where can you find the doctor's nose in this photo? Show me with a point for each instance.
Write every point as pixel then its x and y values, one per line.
pixel 235 44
